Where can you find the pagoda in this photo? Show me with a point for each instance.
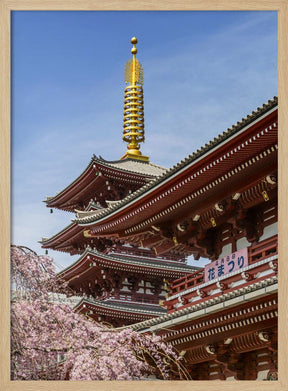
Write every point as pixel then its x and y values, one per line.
pixel 120 281
pixel 136 223
pixel 219 203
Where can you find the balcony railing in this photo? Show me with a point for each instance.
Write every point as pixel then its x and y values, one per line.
pixel 263 250
pixel 256 253
pixel 187 282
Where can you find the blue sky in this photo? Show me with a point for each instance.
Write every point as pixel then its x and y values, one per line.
pixel 203 72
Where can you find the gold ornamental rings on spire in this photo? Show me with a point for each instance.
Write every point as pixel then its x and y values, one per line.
pixel 133 126
pixel 133 68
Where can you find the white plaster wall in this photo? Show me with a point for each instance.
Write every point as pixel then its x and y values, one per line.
pixel 242 243
pixel 226 250
pixel 269 231
pixel 262 375
pixel 125 289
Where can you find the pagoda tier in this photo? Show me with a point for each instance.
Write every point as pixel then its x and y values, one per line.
pixel 74 240
pixel 70 239
pixel 91 263
pixel 223 193
pixel 118 313
pixel 226 327
pixel 122 279
pixel 102 181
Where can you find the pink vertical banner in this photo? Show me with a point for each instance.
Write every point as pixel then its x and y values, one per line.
pixel 228 264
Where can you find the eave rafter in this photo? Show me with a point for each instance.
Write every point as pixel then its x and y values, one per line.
pixel 228 352
pixel 188 236
pixel 92 263
pixel 232 164
pixel 236 356
pixel 209 196
pixel 178 237
pixel 176 215
pixel 232 323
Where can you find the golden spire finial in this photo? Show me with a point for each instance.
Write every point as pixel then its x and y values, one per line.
pixel 133 127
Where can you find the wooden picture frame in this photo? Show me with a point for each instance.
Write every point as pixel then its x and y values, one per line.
pixel 12 5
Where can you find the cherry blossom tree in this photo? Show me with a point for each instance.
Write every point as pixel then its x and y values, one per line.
pixel 49 341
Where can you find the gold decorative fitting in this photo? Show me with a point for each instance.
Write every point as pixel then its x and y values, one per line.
pixel 213 222
pixel 265 195
pixel 87 233
pixel 133 126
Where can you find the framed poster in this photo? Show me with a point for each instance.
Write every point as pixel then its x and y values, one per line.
pixel 67 62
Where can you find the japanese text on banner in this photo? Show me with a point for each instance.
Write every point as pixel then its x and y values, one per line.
pixel 226 265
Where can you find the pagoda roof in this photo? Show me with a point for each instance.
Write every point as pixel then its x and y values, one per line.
pixel 126 307
pixel 150 266
pixel 209 148
pixel 126 170
pixel 133 166
pixel 62 241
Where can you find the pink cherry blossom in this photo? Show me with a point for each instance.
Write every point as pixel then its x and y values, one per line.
pixel 49 341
